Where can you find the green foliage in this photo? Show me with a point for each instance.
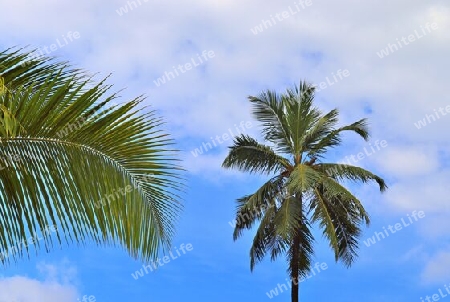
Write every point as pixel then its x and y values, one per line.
pixel 98 172
pixel 303 190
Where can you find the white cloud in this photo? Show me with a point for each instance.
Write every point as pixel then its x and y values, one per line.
pixel 400 89
pixel 428 193
pixel 414 254
pixel 63 272
pixel 141 45
pixel 57 285
pixel 25 289
pixel 437 226
pixel 408 161
pixel 436 271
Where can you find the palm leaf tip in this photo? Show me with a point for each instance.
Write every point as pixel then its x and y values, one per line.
pixel 362 128
pixel 382 184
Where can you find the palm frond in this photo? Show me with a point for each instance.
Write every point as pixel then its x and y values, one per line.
pixel 301 114
pixel 333 139
pixel 269 109
pixel 265 238
pixel 321 128
pixel 335 190
pixel 301 250
pixel 288 217
pixel 110 176
pixel 343 172
pixel 341 220
pixel 252 208
pixel 303 178
pixel 248 155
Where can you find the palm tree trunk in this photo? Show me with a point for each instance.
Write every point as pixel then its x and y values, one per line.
pixel 296 257
pixel 294 265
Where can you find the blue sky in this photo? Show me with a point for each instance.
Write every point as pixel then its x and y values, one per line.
pixel 394 55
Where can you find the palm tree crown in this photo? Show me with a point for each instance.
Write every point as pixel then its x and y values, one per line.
pixel 302 189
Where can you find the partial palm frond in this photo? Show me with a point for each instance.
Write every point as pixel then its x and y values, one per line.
pixel 301 250
pixel 301 114
pixel 265 238
pixel 252 208
pixel 349 172
pixel 320 129
pixel 248 155
pixel 107 175
pixel 341 222
pixel 303 178
pixel 20 68
pixel 333 139
pixel 269 109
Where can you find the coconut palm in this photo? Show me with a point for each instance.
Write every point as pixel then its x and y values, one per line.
pixel 100 173
pixel 302 189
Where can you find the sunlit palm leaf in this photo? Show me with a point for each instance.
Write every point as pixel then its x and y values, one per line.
pixel 108 175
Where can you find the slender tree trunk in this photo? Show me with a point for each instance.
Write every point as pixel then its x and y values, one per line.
pixel 294 265
pixel 296 255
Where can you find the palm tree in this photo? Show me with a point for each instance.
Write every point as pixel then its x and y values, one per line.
pixel 302 189
pixel 100 173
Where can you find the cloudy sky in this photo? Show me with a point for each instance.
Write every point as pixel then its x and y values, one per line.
pixel 384 60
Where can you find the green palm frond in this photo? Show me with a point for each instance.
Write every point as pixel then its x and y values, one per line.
pixel 341 222
pixel 269 109
pixel 301 250
pixel 288 218
pixel 248 155
pixel 303 178
pixel 344 172
pixel 300 114
pixel 107 175
pixel 253 207
pixel 265 239
pixel 20 68
pixel 334 190
pixel 323 214
pixel 320 129
pixel 333 139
